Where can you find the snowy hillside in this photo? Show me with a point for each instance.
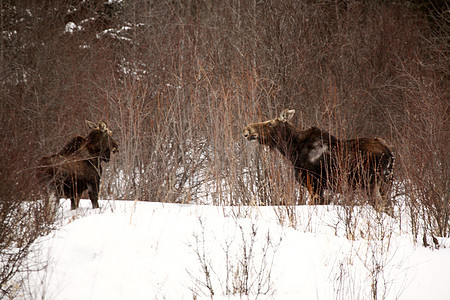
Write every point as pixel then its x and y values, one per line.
pixel 142 250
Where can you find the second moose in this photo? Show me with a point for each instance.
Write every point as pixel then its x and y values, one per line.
pixel 323 162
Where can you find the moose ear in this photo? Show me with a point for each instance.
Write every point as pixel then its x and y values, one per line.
pixel 286 115
pixel 102 126
pixel 91 125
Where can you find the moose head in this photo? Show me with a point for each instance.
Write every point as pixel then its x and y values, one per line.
pixel 269 132
pixel 100 142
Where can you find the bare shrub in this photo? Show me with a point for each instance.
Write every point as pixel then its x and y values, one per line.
pixel 24 216
pixel 420 124
pixel 378 254
pixel 246 267
pixel 425 167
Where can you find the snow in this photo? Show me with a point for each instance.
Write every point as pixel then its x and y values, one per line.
pixel 71 27
pixel 147 250
pixel 115 33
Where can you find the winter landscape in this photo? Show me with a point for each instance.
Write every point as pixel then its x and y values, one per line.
pixel 137 250
pixel 146 105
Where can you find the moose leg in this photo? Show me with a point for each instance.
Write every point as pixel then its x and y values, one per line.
pixel 57 192
pixel 315 190
pixel 70 190
pixel 93 195
pixel 73 203
pixel 380 198
pixel 74 200
pixel 318 195
pixel 385 193
pixel 70 193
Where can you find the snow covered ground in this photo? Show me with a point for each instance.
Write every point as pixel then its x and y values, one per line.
pixel 143 250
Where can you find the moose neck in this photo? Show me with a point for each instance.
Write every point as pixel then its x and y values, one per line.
pixel 286 141
pixel 96 162
pixel 94 155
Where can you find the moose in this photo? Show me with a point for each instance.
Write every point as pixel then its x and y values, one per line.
pixel 77 167
pixel 323 162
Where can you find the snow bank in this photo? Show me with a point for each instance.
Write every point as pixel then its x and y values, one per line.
pixel 142 250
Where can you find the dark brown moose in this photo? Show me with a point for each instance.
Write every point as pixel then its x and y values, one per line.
pixel 77 167
pixel 323 162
